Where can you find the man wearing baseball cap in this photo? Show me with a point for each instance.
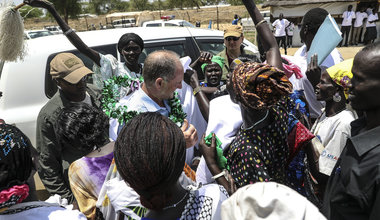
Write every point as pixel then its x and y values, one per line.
pixel 233 39
pixel 70 74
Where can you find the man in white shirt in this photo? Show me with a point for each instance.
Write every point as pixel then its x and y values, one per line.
pixel 163 74
pixel 371 31
pixel 346 24
pixel 289 34
pixel 280 25
pixel 358 26
pixel 310 25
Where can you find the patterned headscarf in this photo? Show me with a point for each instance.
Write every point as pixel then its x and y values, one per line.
pixel 259 86
pixel 215 59
pixel 341 74
pixel 15 165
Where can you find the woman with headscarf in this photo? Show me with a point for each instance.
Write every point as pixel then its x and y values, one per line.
pixel 150 154
pixel 16 167
pixel 259 151
pixel 213 87
pixel 130 46
pixel 332 128
pixel 213 71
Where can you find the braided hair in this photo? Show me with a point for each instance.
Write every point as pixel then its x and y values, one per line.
pixel 15 157
pixel 83 126
pixel 150 155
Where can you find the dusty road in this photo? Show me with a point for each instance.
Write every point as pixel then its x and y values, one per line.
pixel 347 52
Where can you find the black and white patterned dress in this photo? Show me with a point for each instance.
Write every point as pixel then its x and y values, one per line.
pixel 204 202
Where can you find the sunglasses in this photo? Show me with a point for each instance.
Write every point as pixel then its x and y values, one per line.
pixel 83 79
pixel 232 38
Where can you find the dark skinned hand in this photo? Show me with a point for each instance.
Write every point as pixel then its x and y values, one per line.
pixel 313 71
pixel 232 186
pixel 191 78
pixel 205 57
pixel 208 152
pixel 187 76
pixel 38 3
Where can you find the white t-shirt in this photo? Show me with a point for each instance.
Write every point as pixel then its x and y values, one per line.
pixel 360 16
pixel 372 17
pixel 109 67
pixel 347 18
pixel 224 120
pixel 333 133
pixel 290 29
pixel 280 26
pixel 300 59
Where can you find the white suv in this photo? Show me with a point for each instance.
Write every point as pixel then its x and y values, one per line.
pixel 169 23
pixel 27 85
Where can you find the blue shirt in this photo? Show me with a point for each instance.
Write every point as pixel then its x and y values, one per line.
pixel 139 101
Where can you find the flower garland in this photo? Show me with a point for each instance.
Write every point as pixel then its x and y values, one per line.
pixel 118 86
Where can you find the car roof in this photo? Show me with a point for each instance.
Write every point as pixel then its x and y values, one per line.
pixel 49 44
pixel 164 21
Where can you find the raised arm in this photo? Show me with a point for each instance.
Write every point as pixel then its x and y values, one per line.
pixel 199 94
pixel 268 41
pixel 70 34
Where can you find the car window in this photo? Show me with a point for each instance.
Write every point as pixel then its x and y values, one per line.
pixel 212 46
pixel 178 46
pixel 154 25
pixel 170 24
pixel 50 86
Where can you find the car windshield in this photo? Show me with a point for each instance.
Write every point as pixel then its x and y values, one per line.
pixel 186 24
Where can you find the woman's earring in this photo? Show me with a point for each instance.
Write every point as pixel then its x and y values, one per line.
pixel 337 97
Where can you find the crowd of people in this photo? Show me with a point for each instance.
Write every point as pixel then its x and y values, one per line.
pixel 362 23
pixel 263 136
pixel 364 17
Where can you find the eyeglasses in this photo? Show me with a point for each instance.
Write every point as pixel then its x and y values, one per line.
pixel 232 38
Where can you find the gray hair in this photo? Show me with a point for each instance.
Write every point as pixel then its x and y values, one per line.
pixel 161 63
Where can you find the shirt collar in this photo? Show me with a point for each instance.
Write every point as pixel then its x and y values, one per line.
pixel 365 141
pixel 150 104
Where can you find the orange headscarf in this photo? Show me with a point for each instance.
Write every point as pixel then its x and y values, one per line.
pixel 259 86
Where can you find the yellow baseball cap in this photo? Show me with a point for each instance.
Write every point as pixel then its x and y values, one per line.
pixel 233 31
pixel 68 67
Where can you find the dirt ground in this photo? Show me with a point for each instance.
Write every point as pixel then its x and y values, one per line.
pixel 219 16
pixel 347 52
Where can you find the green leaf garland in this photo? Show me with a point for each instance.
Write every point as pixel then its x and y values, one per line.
pixel 114 89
